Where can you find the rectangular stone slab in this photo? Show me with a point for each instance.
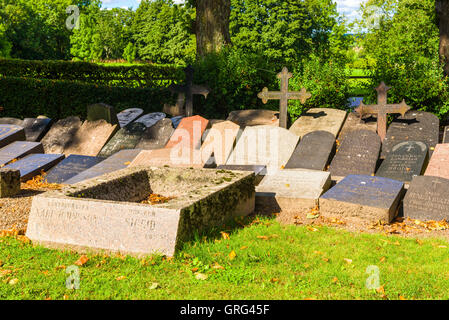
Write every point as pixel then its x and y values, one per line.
pixel 189 132
pixel 292 192
pixel 71 166
pixel 125 138
pixel 255 117
pixel 157 136
pixel 202 200
pixel 314 119
pixel 19 149
pixel 366 197
pixel 10 133
pixel 259 171
pixel 118 161
pixel 427 199
pixel 36 128
pixel 33 164
pixel 61 134
pixel 353 122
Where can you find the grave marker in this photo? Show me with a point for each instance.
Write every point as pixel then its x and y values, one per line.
pixel 176 121
pixel 36 128
pixel 446 135
pixel 439 162
pixel 9 182
pixel 353 122
pixel 189 132
pixel 69 167
pixel 33 164
pixel 258 117
pixel 129 115
pixel 126 138
pixel 101 111
pixel 157 136
pixel 60 136
pixel 19 149
pixel 10 133
pixel 151 119
pixel 14 121
pixel 314 119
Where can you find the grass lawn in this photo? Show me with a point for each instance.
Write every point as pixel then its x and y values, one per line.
pixel 262 260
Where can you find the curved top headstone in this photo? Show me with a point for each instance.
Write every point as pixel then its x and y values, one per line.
pixel 128 116
pixel 151 119
pixel 103 111
pixel 326 119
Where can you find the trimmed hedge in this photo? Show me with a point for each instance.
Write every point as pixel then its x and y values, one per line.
pixel 56 99
pixel 145 75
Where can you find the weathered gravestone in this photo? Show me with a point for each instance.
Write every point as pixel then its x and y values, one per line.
pixel 314 151
pixel 14 121
pixel 291 192
pixel 189 132
pixel 264 145
pixel 19 149
pixel 354 122
pixel 91 137
pixel 176 121
pixel 129 115
pixel 157 136
pixel 371 198
pixel 70 167
pixel 60 136
pixel 427 199
pixel 118 161
pixel 404 161
pixel 106 213
pixel 10 133
pixel 259 171
pixel 414 126
pixel 439 162
pixel 314 119
pixel 446 135
pixel 151 119
pixel 9 182
pixel 101 111
pixel 33 164
pixel 36 128
pixel 257 117
pixel 126 138
pixel 357 154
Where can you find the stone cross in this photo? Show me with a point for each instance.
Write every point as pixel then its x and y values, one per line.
pixel 185 92
pixel 284 95
pixel 382 109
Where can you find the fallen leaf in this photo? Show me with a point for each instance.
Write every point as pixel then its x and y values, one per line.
pixel 82 260
pixel 153 286
pixel 120 278
pixel 225 235
pixel 335 280
pixel 262 237
pixel 200 276
pixel 232 255
pixel 13 282
pixel 348 261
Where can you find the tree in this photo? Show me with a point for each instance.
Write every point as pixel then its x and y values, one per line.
pixel 442 9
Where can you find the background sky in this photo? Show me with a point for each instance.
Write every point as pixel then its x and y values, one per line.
pixel 347 7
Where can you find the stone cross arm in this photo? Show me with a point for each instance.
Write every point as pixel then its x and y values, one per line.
pixel 364 109
pixel 266 95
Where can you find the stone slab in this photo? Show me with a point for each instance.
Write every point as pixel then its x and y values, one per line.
pixel 357 154
pixel 19 149
pixel 264 145
pixel 179 156
pixel 189 132
pixel 129 115
pixel 370 198
pixel 103 111
pixel 10 133
pixel 176 121
pixel 36 128
pixel 156 136
pixel 353 122
pixel 259 171
pixel 255 117
pixel 91 137
pixel 71 166
pixel 427 199
pixel 61 134
pixel 9 182
pixel 118 161
pixel 14 121
pixel 314 151
pixel 126 138
pixel 439 162
pixel 414 126
pixel 314 119
pixel 291 192
pixel 33 164
pixel 404 161
pixel 201 200
pixel 151 119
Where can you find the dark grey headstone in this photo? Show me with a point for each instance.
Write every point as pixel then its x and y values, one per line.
pixel 357 154
pixel 446 135
pixel 36 128
pixel 118 161
pixel 314 151
pixel 151 119
pixel 414 126
pixel 103 111
pixel 19 149
pixel 404 161
pixel 71 166
pixel 33 164
pixel 157 136
pixel 15 121
pixel 176 121
pixel 10 133
pixel 126 138
pixel 129 115
pixel 427 199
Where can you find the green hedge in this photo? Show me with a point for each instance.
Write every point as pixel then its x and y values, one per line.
pixel 145 75
pixel 21 97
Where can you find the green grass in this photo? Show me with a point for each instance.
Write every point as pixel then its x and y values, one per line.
pixel 271 262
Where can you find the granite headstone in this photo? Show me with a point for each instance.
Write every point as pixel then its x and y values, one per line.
pixel 151 119
pixel 129 115
pixel 71 166
pixel 19 149
pixel 126 138
pixel 103 111
pixel 157 136
pixel 314 119
pixel 34 164
pixel 60 136
pixel 10 133
pixel 439 162
pixel 36 128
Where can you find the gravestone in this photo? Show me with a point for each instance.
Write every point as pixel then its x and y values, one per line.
pixel 264 145
pixel 259 171
pixel 446 135
pixel 33 164
pixel 258 117
pixel 19 149
pixel 291 192
pixel 176 121
pixel 426 199
pixel 439 162
pixel 357 154
pixel 60 136
pixel 106 213
pixel 9 182
pixel 414 126
pixel 71 166
pixel 118 161
pixel 404 161
pixel 353 122
pixel 129 115
pixel 126 138
pixel 189 132
pixel 314 119
pixel 14 121
pixel 151 119
pixel 370 198
pixel 179 156
pixel 101 111
pixel 10 133
pixel 314 151
pixel 36 128
pixel 157 136
pixel 91 138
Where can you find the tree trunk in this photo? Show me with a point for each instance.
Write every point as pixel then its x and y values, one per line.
pixel 442 8
pixel 212 25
